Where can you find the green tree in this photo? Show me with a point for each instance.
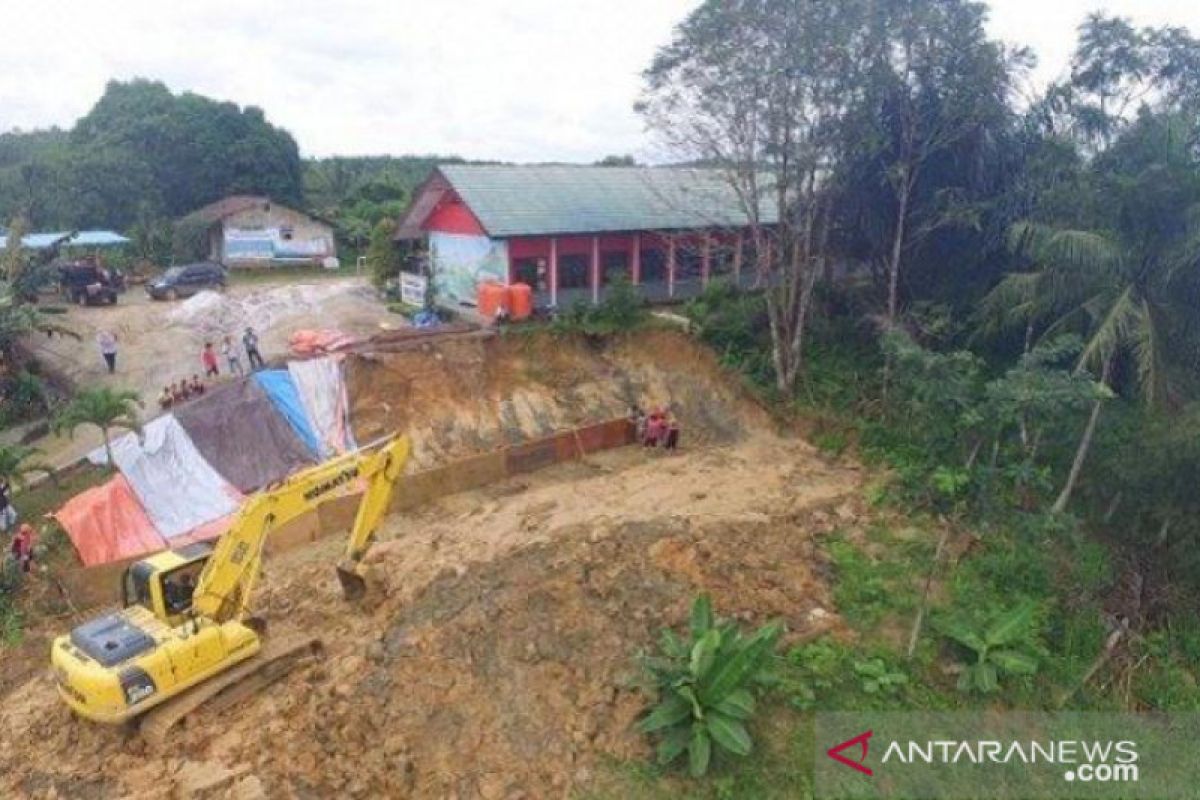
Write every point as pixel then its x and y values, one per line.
pixel 761 92
pixel 383 259
pixel 104 408
pixel 17 462
pixel 1123 282
pixel 14 251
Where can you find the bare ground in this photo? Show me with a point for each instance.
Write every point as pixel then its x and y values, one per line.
pixel 502 662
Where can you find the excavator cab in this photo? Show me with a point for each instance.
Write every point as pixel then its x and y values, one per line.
pixel 163 584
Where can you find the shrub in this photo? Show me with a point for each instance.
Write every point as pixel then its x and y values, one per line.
pixel 704 685
pixel 997 648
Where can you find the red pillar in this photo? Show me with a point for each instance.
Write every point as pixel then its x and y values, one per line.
pixel 706 259
pixel 635 260
pixel 737 258
pixel 553 271
pixel 595 270
pixel 671 267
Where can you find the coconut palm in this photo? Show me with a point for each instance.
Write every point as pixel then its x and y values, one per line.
pixel 17 461
pixel 1120 286
pixel 104 408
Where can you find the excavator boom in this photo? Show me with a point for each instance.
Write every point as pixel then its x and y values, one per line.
pixel 226 584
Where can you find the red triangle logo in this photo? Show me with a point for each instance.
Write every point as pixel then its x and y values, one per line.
pixel 860 741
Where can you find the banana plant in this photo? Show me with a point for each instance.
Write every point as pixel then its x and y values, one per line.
pixel 704 688
pixel 995 648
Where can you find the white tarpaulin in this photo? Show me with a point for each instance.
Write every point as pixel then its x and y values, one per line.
pixel 323 393
pixel 177 487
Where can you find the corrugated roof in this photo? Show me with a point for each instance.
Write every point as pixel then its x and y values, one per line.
pixel 530 200
pixel 40 241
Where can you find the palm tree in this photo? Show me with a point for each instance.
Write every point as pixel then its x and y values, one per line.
pixel 106 409
pixel 18 320
pixel 1119 295
pixel 16 461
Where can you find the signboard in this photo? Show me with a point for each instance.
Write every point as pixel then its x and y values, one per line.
pixel 412 289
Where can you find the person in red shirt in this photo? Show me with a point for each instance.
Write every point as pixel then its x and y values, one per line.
pixel 22 547
pixel 209 358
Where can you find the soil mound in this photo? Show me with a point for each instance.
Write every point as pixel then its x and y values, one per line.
pixel 467 395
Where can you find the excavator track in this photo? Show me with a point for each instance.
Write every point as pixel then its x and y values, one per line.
pixel 278 657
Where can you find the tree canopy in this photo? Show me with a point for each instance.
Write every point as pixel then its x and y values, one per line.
pixel 144 153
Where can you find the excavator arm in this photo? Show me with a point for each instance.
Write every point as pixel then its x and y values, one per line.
pixel 226 584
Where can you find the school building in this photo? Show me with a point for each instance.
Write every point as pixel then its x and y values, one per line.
pixel 570 231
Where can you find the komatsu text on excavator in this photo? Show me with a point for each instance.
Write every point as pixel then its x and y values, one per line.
pixel 185 634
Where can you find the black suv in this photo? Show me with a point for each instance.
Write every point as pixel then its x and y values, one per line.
pixel 186 280
pixel 86 283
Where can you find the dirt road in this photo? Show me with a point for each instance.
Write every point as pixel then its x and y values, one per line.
pixel 160 342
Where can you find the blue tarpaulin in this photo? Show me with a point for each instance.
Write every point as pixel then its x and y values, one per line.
pixel 280 387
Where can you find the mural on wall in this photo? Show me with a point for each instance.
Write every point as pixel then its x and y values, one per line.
pixel 266 244
pixel 461 262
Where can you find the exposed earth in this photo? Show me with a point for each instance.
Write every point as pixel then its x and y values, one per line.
pixel 160 342
pixel 502 661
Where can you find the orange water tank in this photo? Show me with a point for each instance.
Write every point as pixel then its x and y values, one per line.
pixel 493 296
pixel 520 295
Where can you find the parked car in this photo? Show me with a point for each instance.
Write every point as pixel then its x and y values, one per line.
pixel 186 280
pixel 87 283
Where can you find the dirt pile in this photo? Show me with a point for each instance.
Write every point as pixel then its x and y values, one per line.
pixel 472 394
pixel 502 661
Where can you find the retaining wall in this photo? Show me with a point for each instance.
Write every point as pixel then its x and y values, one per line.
pixel 101 585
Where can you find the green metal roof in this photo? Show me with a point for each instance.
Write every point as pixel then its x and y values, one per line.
pixel 533 200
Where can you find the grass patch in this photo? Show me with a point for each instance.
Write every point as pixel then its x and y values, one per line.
pixel 296 274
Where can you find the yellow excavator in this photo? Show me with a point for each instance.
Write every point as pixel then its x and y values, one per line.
pixel 185 636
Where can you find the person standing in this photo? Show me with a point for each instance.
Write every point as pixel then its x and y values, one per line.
pixel 8 513
pixel 250 342
pixel 22 547
pixel 208 357
pixel 232 359
pixel 107 342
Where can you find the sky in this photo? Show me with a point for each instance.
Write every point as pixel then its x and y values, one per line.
pixel 513 80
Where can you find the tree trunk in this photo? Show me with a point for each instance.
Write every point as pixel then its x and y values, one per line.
pixel 893 269
pixel 1085 444
pixel 898 249
pixel 108 453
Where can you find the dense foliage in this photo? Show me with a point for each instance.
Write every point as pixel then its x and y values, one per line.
pixel 143 154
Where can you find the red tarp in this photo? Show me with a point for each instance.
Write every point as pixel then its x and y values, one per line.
pixel 309 342
pixel 107 523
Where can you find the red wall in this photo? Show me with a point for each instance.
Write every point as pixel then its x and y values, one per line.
pixel 454 217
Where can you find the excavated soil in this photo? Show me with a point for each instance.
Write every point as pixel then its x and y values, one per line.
pixel 475 393
pixel 501 661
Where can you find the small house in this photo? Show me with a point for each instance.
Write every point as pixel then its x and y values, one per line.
pixel 246 231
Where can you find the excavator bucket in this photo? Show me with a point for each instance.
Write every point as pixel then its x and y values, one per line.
pixel 354 585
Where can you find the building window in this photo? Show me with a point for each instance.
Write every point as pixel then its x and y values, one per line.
pixel 532 272
pixel 721 258
pixel 573 272
pixel 654 266
pixel 613 265
pixel 286 233
pixel 689 262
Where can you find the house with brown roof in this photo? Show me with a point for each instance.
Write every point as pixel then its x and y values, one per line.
pixel 246 231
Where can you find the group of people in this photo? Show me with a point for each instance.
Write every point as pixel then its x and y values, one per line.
pixel 175 393
pixel 659 427
pixel 23 537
